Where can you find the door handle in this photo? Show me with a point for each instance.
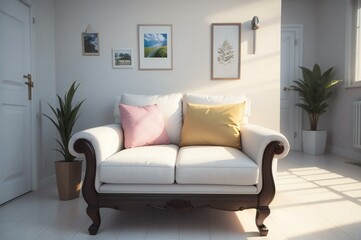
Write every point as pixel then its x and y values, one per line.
pixel 30 84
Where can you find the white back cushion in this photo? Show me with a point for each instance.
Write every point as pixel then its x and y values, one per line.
pixel 218 100
pixel 170 105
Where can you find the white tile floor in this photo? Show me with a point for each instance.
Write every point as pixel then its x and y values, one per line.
pixel 317 198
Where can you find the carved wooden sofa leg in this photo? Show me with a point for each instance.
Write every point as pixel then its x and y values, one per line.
pixel 93 213
pixel 261 215
pixel 89 193
pixel 268 192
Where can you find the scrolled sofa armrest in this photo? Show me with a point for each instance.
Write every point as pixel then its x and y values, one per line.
pixel 255 139
pixel 105 140
pixel 262 145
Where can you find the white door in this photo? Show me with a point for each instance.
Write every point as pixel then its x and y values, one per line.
pixel 15 108
pixel 290 60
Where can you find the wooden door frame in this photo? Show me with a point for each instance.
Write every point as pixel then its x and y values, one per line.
pixel 33 124
pixel 298 29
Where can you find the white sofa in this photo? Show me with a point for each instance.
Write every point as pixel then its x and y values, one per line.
pixel 174 176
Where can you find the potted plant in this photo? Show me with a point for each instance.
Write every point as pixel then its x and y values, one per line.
pixel 68 170
pixel 314 91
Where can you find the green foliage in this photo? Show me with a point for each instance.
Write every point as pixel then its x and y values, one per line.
pixel 314 90
pixel 66 116
pixel 149 50
pixel 155 52
pixel 161 53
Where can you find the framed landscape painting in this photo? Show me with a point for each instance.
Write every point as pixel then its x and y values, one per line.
pixel 90 43
pixel 122 58
pixel 155 47
pixel 226 51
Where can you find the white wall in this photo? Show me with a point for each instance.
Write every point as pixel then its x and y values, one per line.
pixel 116 22
pixel 59 61
pixel 303 12
pixel 324 26
pixel 44 90
pixel 332 51
pixel 58 56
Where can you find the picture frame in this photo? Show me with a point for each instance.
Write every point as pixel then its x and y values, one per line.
pixel 226 51
pixel 122 57
pixel 155 47
pixel 90 44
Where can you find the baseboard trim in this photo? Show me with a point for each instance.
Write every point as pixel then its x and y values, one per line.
pixel 352 154
pixel 46 182
pixel 51 181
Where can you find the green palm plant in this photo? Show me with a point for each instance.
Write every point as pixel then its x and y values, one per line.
pixel 314 90
pixel 66 116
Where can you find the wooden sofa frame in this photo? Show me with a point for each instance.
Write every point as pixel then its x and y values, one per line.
pixel 233 202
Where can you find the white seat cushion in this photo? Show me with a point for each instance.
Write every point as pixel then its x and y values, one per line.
pixel 141 165
pixel 215 165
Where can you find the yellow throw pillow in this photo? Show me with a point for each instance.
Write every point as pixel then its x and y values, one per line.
pixel 212 125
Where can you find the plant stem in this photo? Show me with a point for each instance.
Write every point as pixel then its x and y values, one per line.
pixel 314 120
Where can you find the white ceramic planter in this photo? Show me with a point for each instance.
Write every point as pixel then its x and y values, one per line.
pixel 314 142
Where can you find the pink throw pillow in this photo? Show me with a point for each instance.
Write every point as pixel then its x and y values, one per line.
pixel 142 126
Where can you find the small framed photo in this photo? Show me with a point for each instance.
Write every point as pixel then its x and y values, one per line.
pixel 226 51
pixel 155 47
pixel 122 58
pixel 90 43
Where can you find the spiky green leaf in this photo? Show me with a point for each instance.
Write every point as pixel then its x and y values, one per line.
pixel 65 117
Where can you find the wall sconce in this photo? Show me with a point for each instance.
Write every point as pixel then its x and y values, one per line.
pixel 255 26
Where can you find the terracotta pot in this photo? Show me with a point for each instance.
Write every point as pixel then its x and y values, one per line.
pixel 68 179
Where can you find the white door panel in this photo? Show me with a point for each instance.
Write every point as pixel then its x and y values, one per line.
pixel 290 61
pixel 15 109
